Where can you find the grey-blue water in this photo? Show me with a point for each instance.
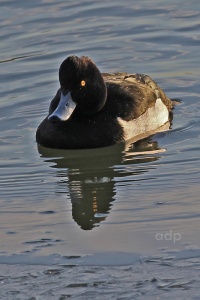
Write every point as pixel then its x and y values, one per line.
pixel 112 223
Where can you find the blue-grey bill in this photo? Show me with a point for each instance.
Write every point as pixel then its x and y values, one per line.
pixel 64 109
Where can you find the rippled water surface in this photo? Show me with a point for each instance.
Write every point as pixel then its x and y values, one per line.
pixel 118 222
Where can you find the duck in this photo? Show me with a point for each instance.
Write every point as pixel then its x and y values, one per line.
pixel 93 109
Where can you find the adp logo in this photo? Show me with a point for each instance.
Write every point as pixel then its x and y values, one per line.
pixel 168 236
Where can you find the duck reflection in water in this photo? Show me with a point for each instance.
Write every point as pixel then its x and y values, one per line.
pixel 89 176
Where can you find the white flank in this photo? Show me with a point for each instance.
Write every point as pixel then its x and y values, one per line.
pixel 151 120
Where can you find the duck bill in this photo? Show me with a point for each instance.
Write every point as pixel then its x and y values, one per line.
pixel 64 109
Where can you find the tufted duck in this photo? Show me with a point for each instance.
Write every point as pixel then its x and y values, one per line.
pixel 93 110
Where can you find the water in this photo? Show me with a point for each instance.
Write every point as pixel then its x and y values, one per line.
pixel 118 222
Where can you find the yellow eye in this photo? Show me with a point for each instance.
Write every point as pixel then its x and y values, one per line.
pixel 83 83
